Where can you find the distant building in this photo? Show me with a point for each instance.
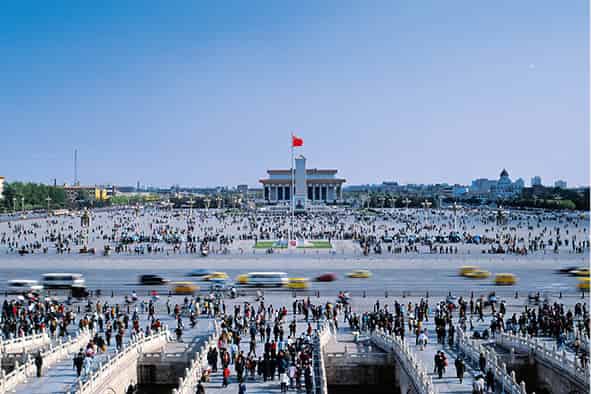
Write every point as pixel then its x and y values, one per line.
pixel 312 185
pixel 536 181
pixel 560 184
pixel 501 188
pixel 1 187
pixel 90 193
pixel 242 189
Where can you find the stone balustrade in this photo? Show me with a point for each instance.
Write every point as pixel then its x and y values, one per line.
pixel 50 356
pixel 321 338
pixel 117 363
pixel 24 344
pixel 413 367
pixel 472 350
pixel 188 384
pixel 541 351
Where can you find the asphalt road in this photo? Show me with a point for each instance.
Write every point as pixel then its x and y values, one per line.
pixel 437 275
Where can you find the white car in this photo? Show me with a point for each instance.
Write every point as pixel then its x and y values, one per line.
pixel 23 286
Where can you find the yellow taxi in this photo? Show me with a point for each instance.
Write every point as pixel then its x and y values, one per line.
pixel 583 284
pixel 466 269
pixel 298 283
pixel 184 288
pixel 583 271
pixel 505 279
pixel 478 274
pixel 242 279
pixel 216 277
pixel 359 274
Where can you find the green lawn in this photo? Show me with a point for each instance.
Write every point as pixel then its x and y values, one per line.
pixel 314 245
pixel 268 245
pixel 317 245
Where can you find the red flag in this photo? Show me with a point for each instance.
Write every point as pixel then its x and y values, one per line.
pixel 296 141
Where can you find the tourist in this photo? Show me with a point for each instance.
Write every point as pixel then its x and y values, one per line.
pixel 460 368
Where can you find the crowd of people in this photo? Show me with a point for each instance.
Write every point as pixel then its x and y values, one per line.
pixel 160 231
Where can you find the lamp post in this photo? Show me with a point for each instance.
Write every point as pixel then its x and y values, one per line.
pixel 426 204
pixel 13 204
pixel 23 204
pixel 48 199
pixel 191 201
pixel 455 208
pixel 393 199
pixel 406 202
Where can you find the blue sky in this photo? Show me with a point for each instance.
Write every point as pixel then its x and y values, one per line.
pixel 200 93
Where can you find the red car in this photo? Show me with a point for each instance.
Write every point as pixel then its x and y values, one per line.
pixel 328 277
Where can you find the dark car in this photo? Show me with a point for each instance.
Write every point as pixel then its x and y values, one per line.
pixel 151 279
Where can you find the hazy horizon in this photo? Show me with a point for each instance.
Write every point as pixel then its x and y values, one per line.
pixel 208 94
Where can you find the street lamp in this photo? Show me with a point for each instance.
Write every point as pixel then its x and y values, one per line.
pixel 191 201
pixel 23 203
pixel 13 204
pixel 426 204
pixel 48 199
pixel 406 201
pixel 455 208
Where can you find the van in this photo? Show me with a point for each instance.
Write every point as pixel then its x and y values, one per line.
pixel 264 279
pixel 61 280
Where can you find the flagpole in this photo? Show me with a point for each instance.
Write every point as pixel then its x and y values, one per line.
pixel 292 190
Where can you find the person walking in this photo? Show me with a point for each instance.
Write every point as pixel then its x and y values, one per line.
pixel 226 376
pixel 79 362
pixel 242 388
pixel 482 362
pixel 490 381
pixel 200 389
pixel 39 363
pixel 460 368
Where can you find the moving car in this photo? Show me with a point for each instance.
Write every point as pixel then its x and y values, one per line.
pixel 298 283
pixel 216 277
pixel 505 279
pixel 61 280
pixel 263 279
pixel 478 274
pixel 328 277
pixel 151 279
pixel 23 286
pixel 200 272
pixel 583 284
pixel 583 271
pixel 184 288
pixel 359 274
pixel 467 269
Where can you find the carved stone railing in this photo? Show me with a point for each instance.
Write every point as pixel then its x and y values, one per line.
pixel 50 356
pixel 472 350
pixel 413 367
pixel 319 341
pixel 114 364
pixel 557 359
pixel 193 374
pixel 24 344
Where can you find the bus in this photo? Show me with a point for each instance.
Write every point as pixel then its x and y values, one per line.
pixel 62 280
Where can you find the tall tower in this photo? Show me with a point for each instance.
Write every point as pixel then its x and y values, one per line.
pixel 301 190
pixel 75 167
